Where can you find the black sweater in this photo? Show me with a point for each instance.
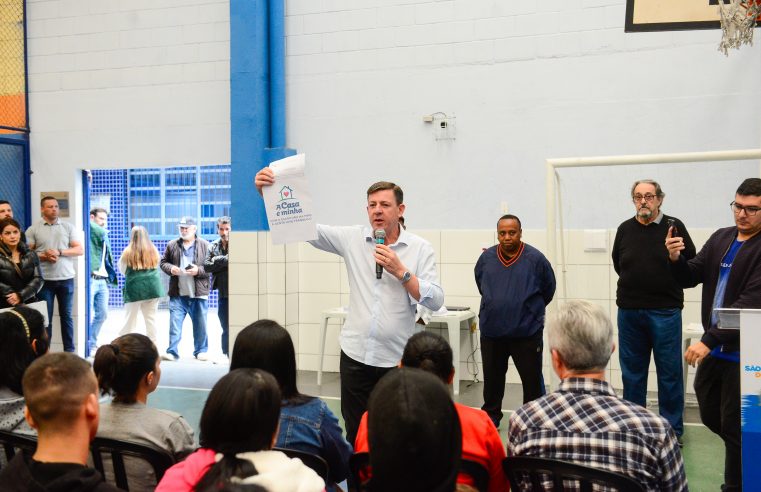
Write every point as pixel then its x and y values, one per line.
pixel 743 284
pixel 641 260
pixel 26 475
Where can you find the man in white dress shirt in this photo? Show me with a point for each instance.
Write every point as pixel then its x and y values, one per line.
pixel 382 311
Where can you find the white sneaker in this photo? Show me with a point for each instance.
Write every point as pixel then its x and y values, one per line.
pixel 169 357
pixel 203 356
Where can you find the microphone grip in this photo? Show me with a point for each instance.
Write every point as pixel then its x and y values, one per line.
pixel 380 238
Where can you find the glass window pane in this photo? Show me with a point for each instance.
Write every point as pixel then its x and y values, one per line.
pixel 144 179
pixel 144 196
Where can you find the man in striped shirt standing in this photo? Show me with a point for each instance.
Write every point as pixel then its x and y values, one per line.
pixel 584 421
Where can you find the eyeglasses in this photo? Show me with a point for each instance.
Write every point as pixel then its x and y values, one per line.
pixel 649 197
pixel 749 211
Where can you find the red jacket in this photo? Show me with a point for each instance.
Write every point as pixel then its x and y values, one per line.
pixel 480 443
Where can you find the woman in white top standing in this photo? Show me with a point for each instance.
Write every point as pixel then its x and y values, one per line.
pixel 142 286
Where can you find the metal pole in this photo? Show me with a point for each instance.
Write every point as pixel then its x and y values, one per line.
pixel 675 158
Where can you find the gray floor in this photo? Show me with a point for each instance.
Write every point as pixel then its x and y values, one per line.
pixel 192 374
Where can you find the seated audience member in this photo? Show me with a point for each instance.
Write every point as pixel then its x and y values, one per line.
pixel 414 434
pixel 480 439
pixel 23 338
pixel 306 422
pixel 62 405
pixel 584 421
pixel 20 274
pixel 129 369
pixel 238 429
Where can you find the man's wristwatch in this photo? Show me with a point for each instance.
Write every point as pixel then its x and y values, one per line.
pixel 406 277
pixel 60 252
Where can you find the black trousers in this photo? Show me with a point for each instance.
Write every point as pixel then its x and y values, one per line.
pixel 717 388
pixel 527 357
pixel 357 382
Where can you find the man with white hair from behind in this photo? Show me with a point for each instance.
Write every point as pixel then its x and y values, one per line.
pixel 584 421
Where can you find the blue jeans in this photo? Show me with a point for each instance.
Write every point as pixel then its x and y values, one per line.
pixel 98 311
pixel 63 290
pixel 659 330
pixel 194 307
pixel 223 312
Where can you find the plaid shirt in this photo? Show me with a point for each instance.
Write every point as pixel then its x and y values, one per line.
pixel 586 423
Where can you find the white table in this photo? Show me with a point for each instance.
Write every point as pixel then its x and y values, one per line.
pixel 453 319
pixel 690 332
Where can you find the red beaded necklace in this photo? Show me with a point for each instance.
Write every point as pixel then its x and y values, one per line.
pixel 513 259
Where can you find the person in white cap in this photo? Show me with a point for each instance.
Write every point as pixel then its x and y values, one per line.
pixel 188 288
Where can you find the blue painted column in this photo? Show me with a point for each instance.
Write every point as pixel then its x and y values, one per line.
pixel 277 72
pixel 257 102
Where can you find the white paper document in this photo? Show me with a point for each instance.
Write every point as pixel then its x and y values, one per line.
pixel 289 202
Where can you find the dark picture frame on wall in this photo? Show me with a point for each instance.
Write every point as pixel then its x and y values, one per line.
pixel 672 15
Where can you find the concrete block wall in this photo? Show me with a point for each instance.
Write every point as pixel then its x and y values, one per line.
pixel 127 84
pixel 527 80
pixel 293 284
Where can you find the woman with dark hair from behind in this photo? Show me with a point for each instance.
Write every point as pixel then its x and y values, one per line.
pixel 23 338
pixel 129 368
pixel 414 433
pixel 480 439
pixel 20 274
pixel 306 422
pixel 238 428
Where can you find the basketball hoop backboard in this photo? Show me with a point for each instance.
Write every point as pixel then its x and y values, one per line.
pixel 671 15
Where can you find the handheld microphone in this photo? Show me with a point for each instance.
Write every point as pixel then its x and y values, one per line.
pixel 380 238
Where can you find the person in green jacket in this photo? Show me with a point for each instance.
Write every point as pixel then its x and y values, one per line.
pixel 102 274
pixel 142 284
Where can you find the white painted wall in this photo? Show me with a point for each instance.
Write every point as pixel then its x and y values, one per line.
pixel 527 80
pixel 146 83
pixel 127 84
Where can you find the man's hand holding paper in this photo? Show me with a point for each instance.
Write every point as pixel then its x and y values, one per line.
pixel 289 203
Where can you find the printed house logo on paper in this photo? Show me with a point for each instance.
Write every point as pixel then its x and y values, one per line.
pixel 287 205
pixel 286 193
pixel 289 202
